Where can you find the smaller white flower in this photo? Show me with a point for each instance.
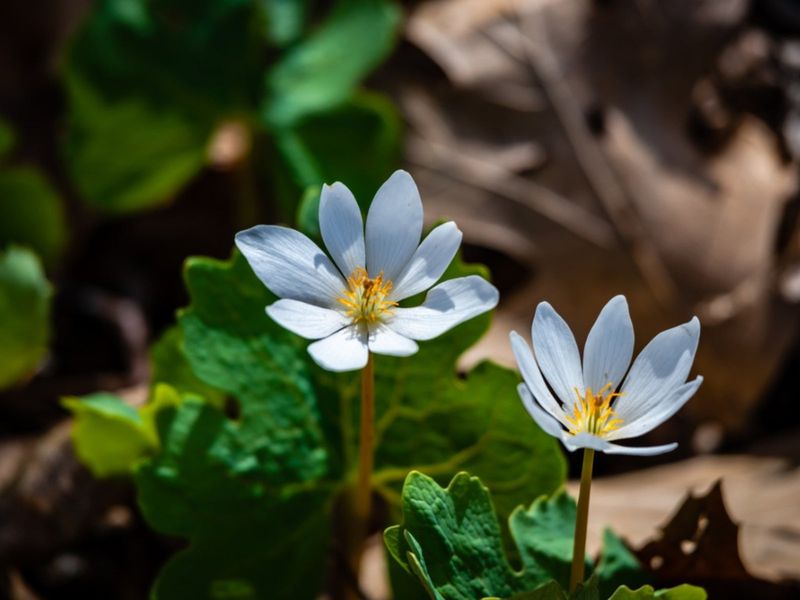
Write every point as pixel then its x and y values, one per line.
pixel 587 410
pixel 350 304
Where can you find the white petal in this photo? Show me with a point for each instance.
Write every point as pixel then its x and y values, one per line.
pixel 306 320
pixel 557 353
pixel 662 366
pixel 641 450
pixel 548 424
pixel 448 304
pixel 345 350
pixel 533 377
pixel 394 226
pixel 609 347
pixel 585 440
pixel 659 414
pixel 342 227
pixel 290 264
pixel 429 262
pixel 382 340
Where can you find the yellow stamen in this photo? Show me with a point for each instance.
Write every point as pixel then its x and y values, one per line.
pixel 365 299
pixel 592 413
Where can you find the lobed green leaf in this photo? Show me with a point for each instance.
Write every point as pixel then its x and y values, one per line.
pixel 452 542
pixel 284 436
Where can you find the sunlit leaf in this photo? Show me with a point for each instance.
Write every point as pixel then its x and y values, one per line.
pixel 452 541
pixel 25 297
pixel 681 592
pixel 284 19
pixel 110 436
pixel 323 70
pixel 288 449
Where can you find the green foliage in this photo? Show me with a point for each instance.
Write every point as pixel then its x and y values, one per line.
pixel 148 82
pixel 323 70
pixel 214 483
pixel 284 20
pixel 197 56
pixel 6 139
pixel 25 297
pixel 451 540
pixel 307 217
pixel 168 363
pixel 31 213
pixel 110 436
pixel 273 467
pixel 681 592
pixel 617 566
pixel 163 150
pixel 358 143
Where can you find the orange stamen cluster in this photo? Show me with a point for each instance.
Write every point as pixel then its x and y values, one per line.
pixel 592 413
pixel 365 299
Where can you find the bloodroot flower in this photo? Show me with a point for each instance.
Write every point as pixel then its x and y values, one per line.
pixel 587 410
pixel 350 304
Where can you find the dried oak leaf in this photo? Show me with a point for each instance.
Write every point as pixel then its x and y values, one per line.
pixel 700 544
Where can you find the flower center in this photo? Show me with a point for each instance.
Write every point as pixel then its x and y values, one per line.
pixel 365 299
pixel 592 413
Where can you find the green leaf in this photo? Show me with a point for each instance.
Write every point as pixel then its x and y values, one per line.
pixel 164 150
pixel 233 347
pixel 358 143
pixel 295 434
pixel 588 590
pixel 452 541
pixel 168 363
pixel 6 139
pixel 249 539
pixel 322 71
pixel 548 591
pixel 544 535
pixel 617 565
pixel 681 592
pixel 252 486
pixel 31 213
pixel 25 298
pixel 284 20
pixel 308 212
pixel 147 83
pixel 198 56
pixel 111 436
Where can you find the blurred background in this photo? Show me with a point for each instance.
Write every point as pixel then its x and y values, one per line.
pixel 585 147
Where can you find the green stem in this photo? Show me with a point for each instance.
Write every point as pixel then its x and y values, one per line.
pixel 581 521
pixel 362 503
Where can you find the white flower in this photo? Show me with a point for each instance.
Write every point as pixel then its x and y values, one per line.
pixel 351 304
pixel 588 411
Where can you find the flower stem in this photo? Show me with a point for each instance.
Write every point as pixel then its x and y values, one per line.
pixel 362 502
pixel 581 521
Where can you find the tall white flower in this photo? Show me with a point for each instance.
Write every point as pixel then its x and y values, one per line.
pixel 350 304
pixel 587 410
